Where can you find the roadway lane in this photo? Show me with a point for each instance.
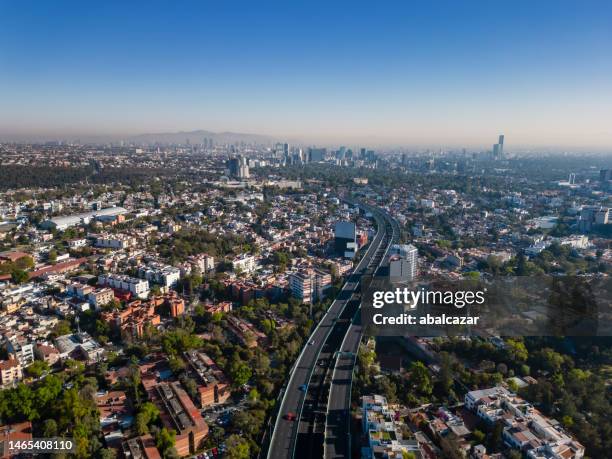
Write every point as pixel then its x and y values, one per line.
pixel 282 443
pixel 337 442
pixel 311 433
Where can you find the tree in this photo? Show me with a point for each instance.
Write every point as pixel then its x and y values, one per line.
pixel 37 368
pixel 176 364
pixel 49 428
pixel 25 263
pixel 525 370
pixel 165 441
pixel 385 386
pixel 419 377
pixel 253 396
pixel 147 414
pixel 478 436
pixel 61 328
pixel 261 363
pixel 237 447
pixel 445 376
pixel 19 276
pixel 177 341
pixel 190 385
pixel 549 359
pixel 107 453
pixel 240 373
pixel 516 350
pixel 495 439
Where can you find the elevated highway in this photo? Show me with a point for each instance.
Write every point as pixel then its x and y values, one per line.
pixel 307 391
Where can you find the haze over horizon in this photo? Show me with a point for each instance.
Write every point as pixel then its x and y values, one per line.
pixel 447 74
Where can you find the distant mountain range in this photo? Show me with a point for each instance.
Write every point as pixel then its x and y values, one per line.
pixel 181 137
pixel 195 137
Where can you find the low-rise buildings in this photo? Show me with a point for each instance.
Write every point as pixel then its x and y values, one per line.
pixel 382 430
pixel 21 431
pixel 46 353
pixel 178 412
pixel 79 346
pixel 142 447
pixel 213 386
pixel 524 427
pixel 100 297
pixel 134 319
pixel 65 222
pixel 11 372
pixel 245 331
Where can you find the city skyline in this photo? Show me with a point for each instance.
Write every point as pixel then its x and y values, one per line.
pixel 415 75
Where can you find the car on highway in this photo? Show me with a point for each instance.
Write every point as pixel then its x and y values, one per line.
pixel 290 416
pixel 311 342
pixel 303 387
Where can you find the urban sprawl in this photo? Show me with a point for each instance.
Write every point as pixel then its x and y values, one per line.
pixel 200 300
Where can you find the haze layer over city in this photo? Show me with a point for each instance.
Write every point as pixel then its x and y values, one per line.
pixel 440 75
pixel 306 230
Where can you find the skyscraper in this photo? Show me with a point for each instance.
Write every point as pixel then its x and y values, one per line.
pixel 281 150
pixel 403 264
pixel 317 154
pixel 238 167
pixel 498 148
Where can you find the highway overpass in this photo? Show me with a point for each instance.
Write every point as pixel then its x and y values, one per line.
pixel 306 393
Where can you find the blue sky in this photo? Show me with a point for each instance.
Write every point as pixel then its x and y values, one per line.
pixel 419 73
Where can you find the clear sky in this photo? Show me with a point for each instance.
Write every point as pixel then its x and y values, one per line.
pixel 413 72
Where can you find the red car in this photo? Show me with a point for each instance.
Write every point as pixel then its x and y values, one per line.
pixel 290 416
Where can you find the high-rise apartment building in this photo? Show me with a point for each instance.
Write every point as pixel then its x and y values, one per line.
pixel 309 285
pixel 345 240
pixel 403 263
pixel 591 216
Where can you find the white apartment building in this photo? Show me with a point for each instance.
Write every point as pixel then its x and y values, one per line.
pixel 138 287
pixel 575 242
pixel 404 262
pixel 77 243
pixel 164 275
pixel 309 285
pixel 100 297
pixel 244 263
pixel 22 352
pixel 118 241
pixel 204 262
pixel 301 286
pixel 385 439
